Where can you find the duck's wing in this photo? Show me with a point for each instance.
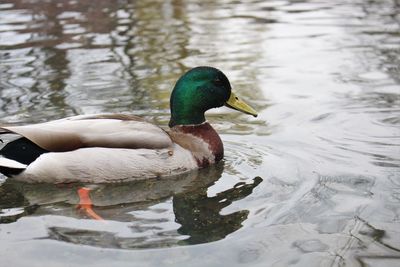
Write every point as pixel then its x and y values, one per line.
pixel 102 130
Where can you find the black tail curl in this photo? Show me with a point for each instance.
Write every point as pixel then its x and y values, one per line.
pixel 21 150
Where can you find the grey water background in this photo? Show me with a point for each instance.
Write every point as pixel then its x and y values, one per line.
pixel 313 181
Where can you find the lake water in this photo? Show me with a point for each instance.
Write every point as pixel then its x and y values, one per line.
pixel 313 181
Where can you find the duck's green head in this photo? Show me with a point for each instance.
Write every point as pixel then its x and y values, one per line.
pixel 199 90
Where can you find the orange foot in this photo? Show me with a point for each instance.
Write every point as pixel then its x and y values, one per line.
pixel 86 205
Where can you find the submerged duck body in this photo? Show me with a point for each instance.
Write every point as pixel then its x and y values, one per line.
pixel 119 147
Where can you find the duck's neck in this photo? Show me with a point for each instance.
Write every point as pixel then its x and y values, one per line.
pixel 185 116
pixel 203 141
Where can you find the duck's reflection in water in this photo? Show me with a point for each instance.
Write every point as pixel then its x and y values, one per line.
pixel 200 216
pixel 143 207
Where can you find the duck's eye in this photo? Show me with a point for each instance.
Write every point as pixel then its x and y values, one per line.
pixel 218 82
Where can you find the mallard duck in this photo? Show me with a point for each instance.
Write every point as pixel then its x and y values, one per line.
pixel 117 147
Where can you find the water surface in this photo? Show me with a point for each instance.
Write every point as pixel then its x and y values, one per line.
pixel 313 181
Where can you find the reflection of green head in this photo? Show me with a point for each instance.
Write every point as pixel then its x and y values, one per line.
pixel 197 91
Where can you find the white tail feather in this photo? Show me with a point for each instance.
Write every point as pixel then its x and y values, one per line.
pixel 9 163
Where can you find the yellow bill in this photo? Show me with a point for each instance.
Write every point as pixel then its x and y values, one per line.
pixel 235 103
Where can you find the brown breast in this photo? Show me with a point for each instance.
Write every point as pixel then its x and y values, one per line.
pixel 202 140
